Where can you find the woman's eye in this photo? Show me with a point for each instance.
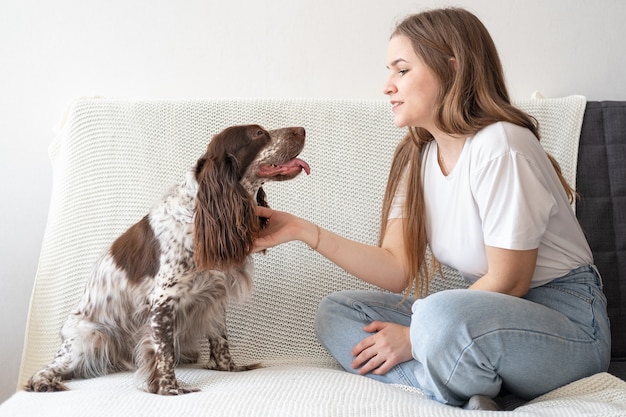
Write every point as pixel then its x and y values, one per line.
pixel 403 71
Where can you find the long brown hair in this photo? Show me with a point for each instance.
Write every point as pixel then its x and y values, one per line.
pixel 473 95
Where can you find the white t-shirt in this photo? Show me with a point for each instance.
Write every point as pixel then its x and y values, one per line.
pixel 503 192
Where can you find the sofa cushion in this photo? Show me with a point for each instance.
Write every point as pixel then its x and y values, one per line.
pixel 601 182
pixel 136 148
pixel 114 157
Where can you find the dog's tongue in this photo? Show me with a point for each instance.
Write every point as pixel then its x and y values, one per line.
pixel 297 162
pixel 290 168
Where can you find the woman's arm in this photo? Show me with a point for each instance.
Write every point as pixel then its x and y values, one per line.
pixel 510 271
pixel 385 266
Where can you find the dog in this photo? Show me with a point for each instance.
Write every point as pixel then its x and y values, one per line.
pixel 168 279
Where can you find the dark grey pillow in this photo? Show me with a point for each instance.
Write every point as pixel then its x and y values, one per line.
pixel 601 182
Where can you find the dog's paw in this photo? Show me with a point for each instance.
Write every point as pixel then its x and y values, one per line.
pixel 168 386
pixel 39 383
pixel 212 365
pixel 176 390
pixel 231 367
pixel 241 368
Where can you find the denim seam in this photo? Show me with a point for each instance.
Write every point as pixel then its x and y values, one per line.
pixel 475 339
pixel 356 305
pixel 398 370
pixel 588 299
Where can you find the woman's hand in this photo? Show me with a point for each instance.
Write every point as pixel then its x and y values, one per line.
pixel 388 346
pixel 282 227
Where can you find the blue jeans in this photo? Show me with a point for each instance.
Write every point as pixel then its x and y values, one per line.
pixel 467 342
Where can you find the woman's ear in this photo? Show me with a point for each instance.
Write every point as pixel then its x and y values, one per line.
pixel 454 64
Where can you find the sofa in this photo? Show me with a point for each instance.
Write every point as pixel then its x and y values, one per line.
pixel 113 157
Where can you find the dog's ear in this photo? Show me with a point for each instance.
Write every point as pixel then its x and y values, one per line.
pixel 225 224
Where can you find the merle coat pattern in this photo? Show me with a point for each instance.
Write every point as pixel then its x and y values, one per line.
pixel 168 279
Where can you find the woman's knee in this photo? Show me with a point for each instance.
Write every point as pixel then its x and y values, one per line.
pixel 349 311
pixel 439 318
pixel 333 304
pixel 441 307
pixel 332 309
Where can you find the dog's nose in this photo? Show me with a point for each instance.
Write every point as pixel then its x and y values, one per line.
pixel 299 131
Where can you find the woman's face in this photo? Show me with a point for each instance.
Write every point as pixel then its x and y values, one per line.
pixel 411 86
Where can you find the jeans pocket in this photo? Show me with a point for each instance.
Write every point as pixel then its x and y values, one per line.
pixel 577 301
pixel 581 291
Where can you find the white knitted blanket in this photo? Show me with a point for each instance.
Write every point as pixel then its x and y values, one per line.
pixel 113 158
pixel 293 391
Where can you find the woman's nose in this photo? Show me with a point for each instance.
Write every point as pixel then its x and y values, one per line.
pixel 388 88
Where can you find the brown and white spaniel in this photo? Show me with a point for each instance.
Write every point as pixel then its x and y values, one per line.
pixel 167 280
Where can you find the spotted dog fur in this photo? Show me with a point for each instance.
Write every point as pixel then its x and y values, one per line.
pixel 168 279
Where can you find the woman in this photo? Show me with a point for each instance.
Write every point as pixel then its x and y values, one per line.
pixel 471 181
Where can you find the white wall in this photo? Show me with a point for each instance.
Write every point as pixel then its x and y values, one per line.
pixel 53 51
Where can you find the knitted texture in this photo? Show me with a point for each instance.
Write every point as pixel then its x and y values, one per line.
pixel 113 158
pixel 296 391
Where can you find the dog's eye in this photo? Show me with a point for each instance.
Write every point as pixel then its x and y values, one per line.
pixel 259 134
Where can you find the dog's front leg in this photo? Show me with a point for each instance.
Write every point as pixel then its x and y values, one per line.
pixel 49 378
pixel 221 359
pixel 158 356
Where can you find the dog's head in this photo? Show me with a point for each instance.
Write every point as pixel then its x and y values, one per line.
pixel 278 160
pixel 230 175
